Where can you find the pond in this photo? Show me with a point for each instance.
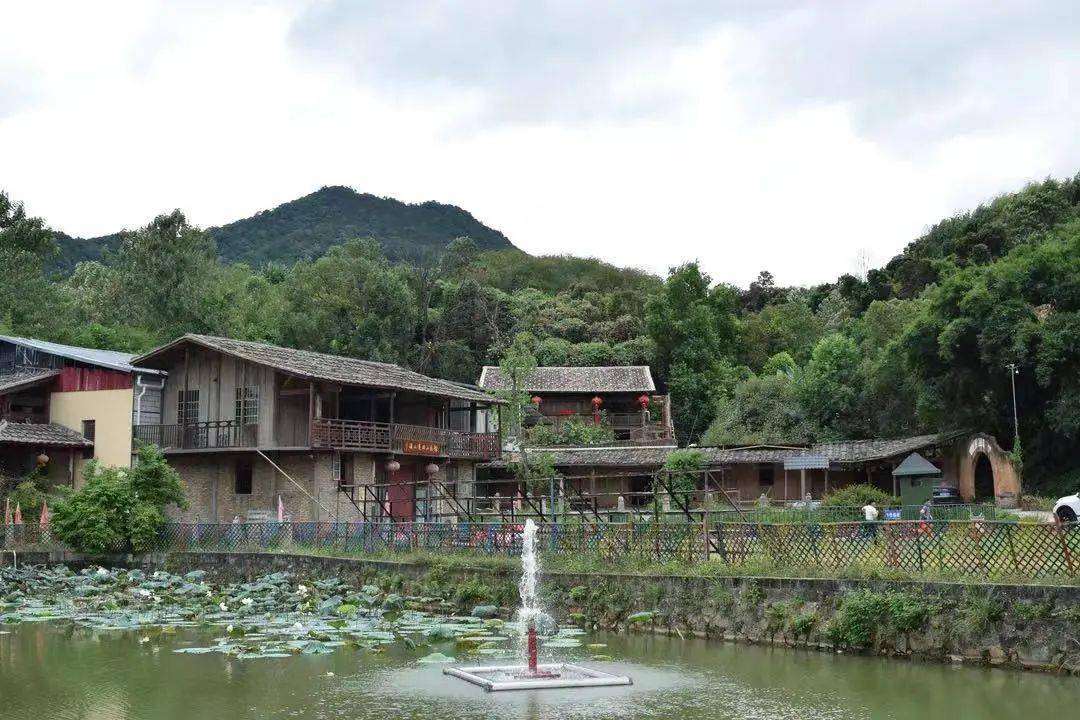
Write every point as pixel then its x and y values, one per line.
pixel 57 669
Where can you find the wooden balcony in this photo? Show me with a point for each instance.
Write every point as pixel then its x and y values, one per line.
pixel 403 439
pixel 219 434
pixel 628 428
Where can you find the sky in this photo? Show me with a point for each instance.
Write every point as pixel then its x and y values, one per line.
pixel 807 139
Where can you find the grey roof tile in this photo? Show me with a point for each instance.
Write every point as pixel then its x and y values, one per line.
pixel 50 434
pixel 629 379
pixel 16 379
pixel 329 368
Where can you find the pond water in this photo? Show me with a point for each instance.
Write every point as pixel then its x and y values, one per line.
pixel 59 670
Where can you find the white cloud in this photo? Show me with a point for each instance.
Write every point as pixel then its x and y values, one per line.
pixel 769 136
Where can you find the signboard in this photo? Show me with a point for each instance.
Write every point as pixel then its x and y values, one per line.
pixel 892 513
pixel 420 447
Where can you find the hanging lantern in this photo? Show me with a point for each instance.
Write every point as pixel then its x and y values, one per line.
pixel 536 401
pixel 431 468
pixel 597 402
pixel 393 466
pixel 42 459
pixel 643 401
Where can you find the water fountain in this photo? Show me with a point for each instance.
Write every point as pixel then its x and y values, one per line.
pixel 532 675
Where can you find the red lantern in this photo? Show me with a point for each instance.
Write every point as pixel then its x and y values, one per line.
pixel 536 401
pixel 597 402
pixel 643 401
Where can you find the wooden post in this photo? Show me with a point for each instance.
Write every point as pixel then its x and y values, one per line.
pixel 802 484
pixel 71 468
pixel 311 414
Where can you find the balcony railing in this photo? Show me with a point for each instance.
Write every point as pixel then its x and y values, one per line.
pixel 403 439
pixel 199 436
pixel 628 428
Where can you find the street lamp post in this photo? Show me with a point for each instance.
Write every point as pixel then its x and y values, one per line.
pixel 1013 372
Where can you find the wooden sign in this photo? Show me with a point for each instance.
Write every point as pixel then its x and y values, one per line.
pixel 420 447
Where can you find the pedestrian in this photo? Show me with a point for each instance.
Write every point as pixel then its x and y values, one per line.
pixel 870 514
pixel 925 518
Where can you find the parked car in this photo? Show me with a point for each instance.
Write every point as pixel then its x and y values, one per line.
pixel 1068 508
pixel 946 495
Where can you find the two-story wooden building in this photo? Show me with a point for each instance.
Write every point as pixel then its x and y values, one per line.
pixel 622 399
pixel 62 404
pixel 334 438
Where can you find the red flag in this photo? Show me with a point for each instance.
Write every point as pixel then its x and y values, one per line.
pixel 44 520
pixel 18 514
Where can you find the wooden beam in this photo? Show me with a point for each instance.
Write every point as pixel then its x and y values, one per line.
pixel 311 414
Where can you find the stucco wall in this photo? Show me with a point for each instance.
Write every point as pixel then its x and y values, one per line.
pixel 111 411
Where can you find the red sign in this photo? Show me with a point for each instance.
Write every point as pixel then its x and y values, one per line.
pixel 419 447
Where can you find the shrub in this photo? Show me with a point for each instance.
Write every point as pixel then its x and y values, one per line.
pixel 979 611
pixel 119 509
pixel 857 496
pixel 682 467
pixel 865 616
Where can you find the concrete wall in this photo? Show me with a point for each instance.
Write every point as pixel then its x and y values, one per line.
pixel 1007 484
pixel 111 411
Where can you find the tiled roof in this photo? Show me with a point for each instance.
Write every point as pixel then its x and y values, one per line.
pixel 329 368
pixel 855 451
pixel 599 456
pixel 628 379
pixel 103 358
pixel 16 379
pixel 41 434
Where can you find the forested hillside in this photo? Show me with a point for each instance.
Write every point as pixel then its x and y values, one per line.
pixel 920 345
pixel 309 226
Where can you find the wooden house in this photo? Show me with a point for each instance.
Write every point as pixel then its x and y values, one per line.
pixel 332 438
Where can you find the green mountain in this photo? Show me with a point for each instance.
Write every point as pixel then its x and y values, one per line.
pixel 309 226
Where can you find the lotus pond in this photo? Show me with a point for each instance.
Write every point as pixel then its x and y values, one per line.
pixel 121 645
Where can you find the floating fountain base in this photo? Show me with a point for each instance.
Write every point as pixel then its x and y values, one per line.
pixel 518 677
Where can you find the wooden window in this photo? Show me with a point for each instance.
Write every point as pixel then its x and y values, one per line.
pixel 247 405
pixel 766 475
pixel 187 407
pixel 89 429
pixel 242 481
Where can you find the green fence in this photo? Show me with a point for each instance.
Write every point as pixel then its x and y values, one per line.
pixel 983 548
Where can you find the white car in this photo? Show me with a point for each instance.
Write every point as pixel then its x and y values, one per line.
pixel 1067 509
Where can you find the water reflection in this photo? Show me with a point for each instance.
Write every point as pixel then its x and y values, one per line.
pixel 55 670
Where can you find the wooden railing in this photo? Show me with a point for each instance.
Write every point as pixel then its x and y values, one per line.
pixel 199 436
pixel 403 439
pixel 629 428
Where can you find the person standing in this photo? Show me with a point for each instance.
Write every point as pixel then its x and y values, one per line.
pixel 870 514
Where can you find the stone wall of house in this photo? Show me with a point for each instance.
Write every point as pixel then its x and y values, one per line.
pixel 210 485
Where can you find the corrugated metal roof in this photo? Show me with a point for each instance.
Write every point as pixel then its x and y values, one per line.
pixel 613 378
pixel 103 358
pixel 806 462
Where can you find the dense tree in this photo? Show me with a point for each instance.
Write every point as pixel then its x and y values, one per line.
pixel 692 324
pixel 351 302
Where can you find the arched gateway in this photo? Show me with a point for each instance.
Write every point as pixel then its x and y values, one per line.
pixel 987 472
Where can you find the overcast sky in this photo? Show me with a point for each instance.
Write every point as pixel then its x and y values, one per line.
pixel 793 137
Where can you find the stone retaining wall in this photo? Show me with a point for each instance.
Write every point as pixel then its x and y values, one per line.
pixel 1033 627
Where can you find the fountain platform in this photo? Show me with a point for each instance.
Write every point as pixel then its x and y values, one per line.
pixel 519 677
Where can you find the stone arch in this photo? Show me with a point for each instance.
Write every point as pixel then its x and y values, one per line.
pixel 987 472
